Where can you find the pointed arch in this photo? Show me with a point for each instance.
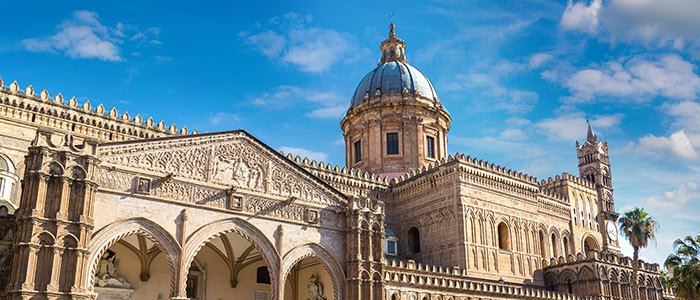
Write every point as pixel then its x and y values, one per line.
pixel 110 234
pixel 329 262
pixel 210 231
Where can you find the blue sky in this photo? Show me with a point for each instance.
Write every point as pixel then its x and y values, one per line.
pixel 519 77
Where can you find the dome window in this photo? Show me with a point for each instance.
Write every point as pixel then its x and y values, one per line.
pixel 430 146
pixel 358 151
pixel 392 143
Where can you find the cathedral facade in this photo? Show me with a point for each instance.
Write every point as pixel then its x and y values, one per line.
pixel 97 204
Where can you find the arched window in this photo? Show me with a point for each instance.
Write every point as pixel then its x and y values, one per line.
pixel 394 297
pixel 7 178
pixel 503 236
pixel 542 249
pixel 589 244
pixel 554 246
pixel 414 240
pixel 566 246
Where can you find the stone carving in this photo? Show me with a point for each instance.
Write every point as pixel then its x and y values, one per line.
pixel 238 172
pixel 230 159
pixel 315 289
pixel 107 275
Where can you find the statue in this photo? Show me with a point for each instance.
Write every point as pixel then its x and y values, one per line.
pixel 107 275
pixel 315 289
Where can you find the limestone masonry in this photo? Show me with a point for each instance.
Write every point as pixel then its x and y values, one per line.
pixel 98 204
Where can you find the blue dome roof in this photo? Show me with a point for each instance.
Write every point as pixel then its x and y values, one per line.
pixel 393 77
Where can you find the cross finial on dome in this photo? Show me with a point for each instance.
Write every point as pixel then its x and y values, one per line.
pixel 392 33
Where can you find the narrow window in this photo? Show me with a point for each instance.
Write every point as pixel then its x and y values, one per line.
pixel 391 247
pixel 503 237
pixel 542 249
pixel 358 151
pixel 414 240
pixel 392 143
pixel 554 246
pixel 430 146
pixel 263 275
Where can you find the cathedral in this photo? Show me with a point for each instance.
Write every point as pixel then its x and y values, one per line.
pixel 98 204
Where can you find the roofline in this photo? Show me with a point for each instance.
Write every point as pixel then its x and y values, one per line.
pixel 277 153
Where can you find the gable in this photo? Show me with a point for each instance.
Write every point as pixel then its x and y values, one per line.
pixel 233 159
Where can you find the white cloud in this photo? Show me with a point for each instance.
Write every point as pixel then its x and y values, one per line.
pixel 312 49
pixel 84 36
pixel 651 22
pixel 580 16
pixel 318 156
pixel 81 37
pixel 333 112
pixel 222 118
pixel 538 59
pixel 324 105
pixel 512 100
pixel 676 145
pixel 269 43
pixel 687 114
pixel 573 126
pixel 677 199
pixel 513 134
pixel 636 79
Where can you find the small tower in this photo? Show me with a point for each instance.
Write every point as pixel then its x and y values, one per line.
pixel 594 166
pixel 395 122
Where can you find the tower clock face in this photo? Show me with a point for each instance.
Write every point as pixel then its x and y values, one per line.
pixel 612 231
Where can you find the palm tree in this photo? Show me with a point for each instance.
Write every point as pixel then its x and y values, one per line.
pixel 639 228
pixel 684 266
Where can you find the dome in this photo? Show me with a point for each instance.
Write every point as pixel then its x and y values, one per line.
pixel 394 77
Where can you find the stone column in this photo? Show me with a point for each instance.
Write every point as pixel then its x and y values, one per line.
pixel 56 270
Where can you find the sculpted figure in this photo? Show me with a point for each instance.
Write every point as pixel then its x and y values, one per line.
pixel 315 289
pixel 107 275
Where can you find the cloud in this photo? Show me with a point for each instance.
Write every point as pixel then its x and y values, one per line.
pixel 538 59
pixel 637 79
pixel 658 23
pixel 323 105
pixel 513 134
pixel 85 37
pixel 332 112
pixel 318 156
pixel 687 114
pixel 676 199
pixel 269 43
pixel 512 100
pixel 581 17
pixel 573 126
pixel 676 145
pixel 311 49
pixel 224 118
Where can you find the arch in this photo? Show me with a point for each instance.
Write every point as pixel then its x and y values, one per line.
pixel 503 236
pixel 413 239
pixel 210 231
pixel 555 243
pixel 327 260
pixel 588 244
pixel 110 234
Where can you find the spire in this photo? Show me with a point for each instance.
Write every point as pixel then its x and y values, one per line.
pixel 393 47
pixel 591 137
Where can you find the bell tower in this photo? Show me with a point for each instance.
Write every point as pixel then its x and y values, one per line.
pixel 594 166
